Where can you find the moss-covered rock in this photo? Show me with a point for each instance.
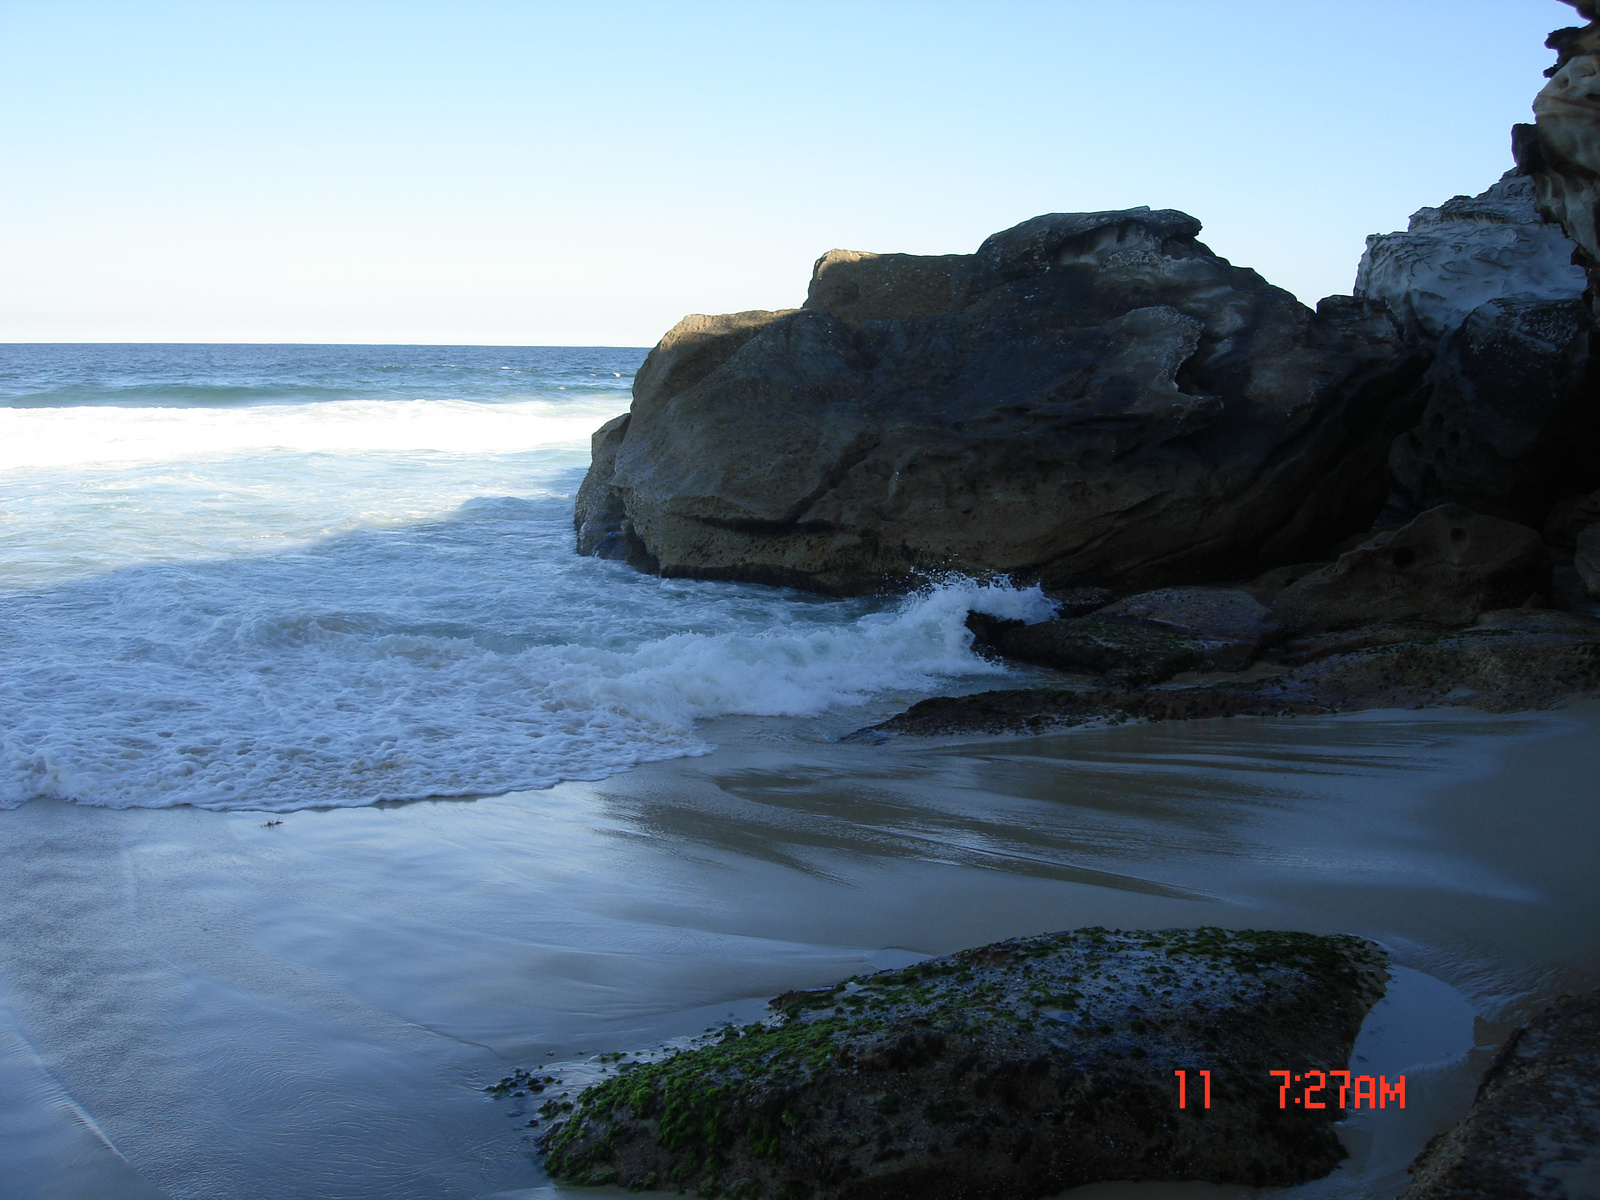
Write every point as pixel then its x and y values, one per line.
pixel 1014 1070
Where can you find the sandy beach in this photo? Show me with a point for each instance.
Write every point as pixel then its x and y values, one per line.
pixel 199 1004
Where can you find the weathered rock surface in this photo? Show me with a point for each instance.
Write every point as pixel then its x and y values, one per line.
pixel 1467 252
pixel 1586 558
pixel 1140 639
pixel 1230 624
pixel 1447 566
pixel 1127 652
pixel 1510 422
pixel 1563 152
pixel 1512 660
pixel 1008 1072
pixel 1570 517
pixel 1534 1131
pixel 1308 648
pixel 1100 398
pixel 875 287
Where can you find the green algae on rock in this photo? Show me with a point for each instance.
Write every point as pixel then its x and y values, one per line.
pixel 1013 1070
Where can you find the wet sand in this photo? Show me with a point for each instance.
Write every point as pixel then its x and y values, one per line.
pixel 194 1004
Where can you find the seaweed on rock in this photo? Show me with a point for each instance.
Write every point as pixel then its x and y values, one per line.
pixel 1012 1070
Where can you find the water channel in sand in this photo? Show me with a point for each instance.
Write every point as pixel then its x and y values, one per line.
pixel 199 1005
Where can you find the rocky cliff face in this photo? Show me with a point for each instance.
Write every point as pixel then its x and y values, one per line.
pixel 1562 152
pixel 1509 420
pixel 1089 397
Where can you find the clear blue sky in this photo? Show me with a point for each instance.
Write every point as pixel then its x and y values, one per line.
pixel 586 173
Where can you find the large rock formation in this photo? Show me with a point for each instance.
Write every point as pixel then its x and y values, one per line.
pixel 1509 421
pixel 1089 397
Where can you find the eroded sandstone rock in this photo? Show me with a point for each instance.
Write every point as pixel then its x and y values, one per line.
pixel 1468 251
pixel 1447 566
pixel 1230 625
pixel 1008 1072
pixel 1105 399
pixel 1563 156
pixel 1509 423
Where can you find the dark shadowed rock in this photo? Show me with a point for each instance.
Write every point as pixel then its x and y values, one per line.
pixel 1308 648
pixel 1511 422
pixel 1511 660
pixel 1534 1130
pixel 1570 517
pixel 1103 400
pixel 1447 566
pixel 1586 558
pixel 1079 601
pixel 1230 625
pixel 1008 1072
pixel 1129 652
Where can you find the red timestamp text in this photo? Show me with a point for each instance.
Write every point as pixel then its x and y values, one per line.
pixel 1313 1090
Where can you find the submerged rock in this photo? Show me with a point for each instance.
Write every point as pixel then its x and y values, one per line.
pixel 1534 1130
pixel 1447 566
pixel 1098 397
pixel 1008 1072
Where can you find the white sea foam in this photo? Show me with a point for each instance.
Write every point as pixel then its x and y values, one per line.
pixel 290 711
pixel 224 602
pixel 92 488
pixel 31 438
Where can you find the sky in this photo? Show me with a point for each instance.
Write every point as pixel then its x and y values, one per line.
pixel 563 173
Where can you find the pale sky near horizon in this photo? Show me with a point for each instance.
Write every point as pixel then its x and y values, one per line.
pixel 525 173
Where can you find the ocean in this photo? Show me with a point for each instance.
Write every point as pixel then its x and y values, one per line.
pixel 277 577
